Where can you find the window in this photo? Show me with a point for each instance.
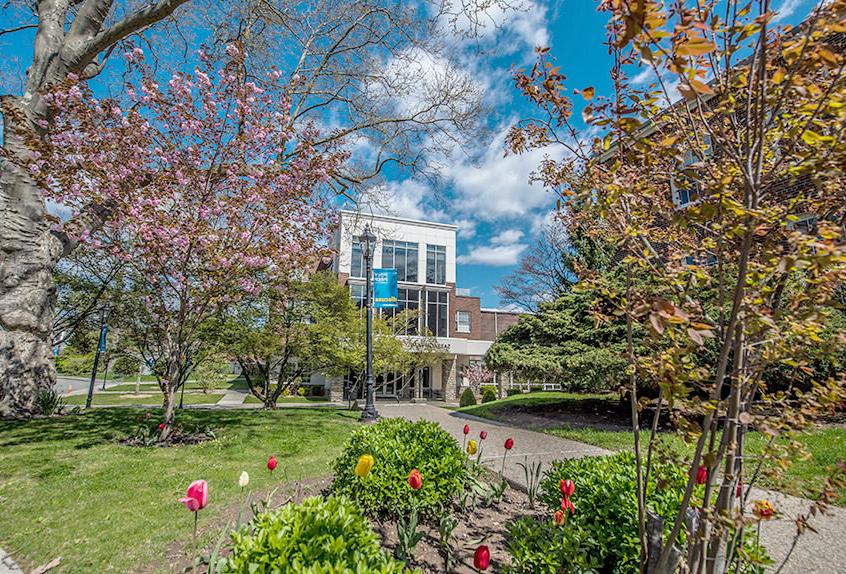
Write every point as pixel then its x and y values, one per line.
pixel 357 267
pixel 402 256
pixel 357 295
pixel 436 312
pixel 406 299
pixel 806 224
pixel 685 185
pixel 436 264
pixel 462 321
pixel 703 259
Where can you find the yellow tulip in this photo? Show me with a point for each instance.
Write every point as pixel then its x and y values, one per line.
pixel 365 463
pixel 472 447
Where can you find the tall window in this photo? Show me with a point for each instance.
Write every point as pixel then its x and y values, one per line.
pixel 406 299
pixel 462 321
pixel 357 267
pixel 402 256
pixel 436 264
pixel 357 295
pixel 436 312
pixel 685 184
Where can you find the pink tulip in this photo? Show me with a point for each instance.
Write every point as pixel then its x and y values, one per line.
pixel 271 463
pixel 197 496
pixel 483 435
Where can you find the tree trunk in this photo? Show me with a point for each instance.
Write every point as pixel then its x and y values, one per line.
pixel 28 252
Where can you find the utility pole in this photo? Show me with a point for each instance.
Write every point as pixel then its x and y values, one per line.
pixel 101 347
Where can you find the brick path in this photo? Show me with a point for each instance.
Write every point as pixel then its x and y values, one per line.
pixel 823 552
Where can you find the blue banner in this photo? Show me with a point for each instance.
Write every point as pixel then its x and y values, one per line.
pixel 101 346
pixel 385 289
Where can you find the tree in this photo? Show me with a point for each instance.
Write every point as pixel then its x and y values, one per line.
pixel 712 191
pixel 567 341
pixel 73 38
pixel 477 375
pixel 551 266
pixel 202 209
pixel 293 329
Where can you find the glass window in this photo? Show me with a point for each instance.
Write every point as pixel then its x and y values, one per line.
pixel 357 295
pixel 684 185
pixel 357 266
pixel 436 264
pixel 436 312
pixel 402 256
pixel 462 321
pixel 406 299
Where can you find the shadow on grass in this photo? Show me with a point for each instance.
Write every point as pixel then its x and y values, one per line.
pixel 88 429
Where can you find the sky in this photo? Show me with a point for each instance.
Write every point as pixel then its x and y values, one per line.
pixel 486 193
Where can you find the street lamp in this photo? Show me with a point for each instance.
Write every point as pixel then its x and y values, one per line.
pixel 101 347
pixel 368 245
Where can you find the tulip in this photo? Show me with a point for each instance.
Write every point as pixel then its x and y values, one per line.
pixel 558 517
pixel 763 509
pixel 271 463
pixel 196 499
pixel 466 432
pixel 197 496
pixel 472 447
pixel 483 435
pixel 739 490
pixel 161 427
pixel 363 466
pixel 702 475
pixel 415 481
pixel 509 444
pixel 482 558
pixel 244 479
pixel 466 429
pixel 567 505
pixel 567 488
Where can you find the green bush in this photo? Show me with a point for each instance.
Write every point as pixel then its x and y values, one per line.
pixel 398 446
pixel 315 537
pixel 539 546
pixel 49 401
pixel 467 398
pixel 606 503
pixel 488 395
pixel 75 365
pixel 514 391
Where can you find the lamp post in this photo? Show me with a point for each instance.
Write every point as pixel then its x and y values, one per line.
pixel 368 244
pixel 101 347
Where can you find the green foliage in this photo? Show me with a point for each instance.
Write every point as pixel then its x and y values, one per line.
pixel 467 398
pixel 398 446
pixel 488 395
pixel 407 535
pixel 512 392
pixel 563 342
pixel 126 365
pixel 606 503
pixel 315 537
pixel 69 363
pixel 532 474
pixel 212 372
pixel 49 401
pixel 539 546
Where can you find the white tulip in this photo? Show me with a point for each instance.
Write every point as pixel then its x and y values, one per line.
pixel 244 480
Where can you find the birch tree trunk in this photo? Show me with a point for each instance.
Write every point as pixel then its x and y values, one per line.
pixel 30 247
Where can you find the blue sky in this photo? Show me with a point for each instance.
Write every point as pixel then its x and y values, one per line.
pixel 485 193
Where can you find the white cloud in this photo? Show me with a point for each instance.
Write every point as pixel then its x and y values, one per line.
pixel 787 9
pixel 495 255
pixel 507 237
pixel 466 228
pixel 643 77
pixel 405 198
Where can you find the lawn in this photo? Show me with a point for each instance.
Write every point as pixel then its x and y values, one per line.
pixel 825 445
pixel 252 400
pixel 68 489
pixel 129 385
pixel 149 398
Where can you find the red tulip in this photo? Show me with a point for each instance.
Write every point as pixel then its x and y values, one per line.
pixel 466 429
pixel 271 463
pixel 483 435
pixel 197 496
pixel 702 475
pixel 739 491
pixel 509 443
pixel 415 481
pixel 567 488
pixel 558 517
pixel 567 505
pixel 482 558
pixel 161 426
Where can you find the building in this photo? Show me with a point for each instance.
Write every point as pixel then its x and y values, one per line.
pixel 423 253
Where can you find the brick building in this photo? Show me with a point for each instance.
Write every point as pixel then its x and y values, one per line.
pixel 423 253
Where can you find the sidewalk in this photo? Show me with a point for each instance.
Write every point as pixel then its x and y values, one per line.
pixel 823 552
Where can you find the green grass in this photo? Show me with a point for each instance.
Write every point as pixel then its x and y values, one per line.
pixel 116 399
pixel 129 385
pixel 252 400
pixel 498 410
pixel 68 489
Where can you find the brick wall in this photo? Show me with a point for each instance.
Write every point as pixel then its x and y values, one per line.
pixel 495 322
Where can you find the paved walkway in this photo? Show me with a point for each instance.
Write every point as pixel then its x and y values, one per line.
pixel 7 565
pixel 823 552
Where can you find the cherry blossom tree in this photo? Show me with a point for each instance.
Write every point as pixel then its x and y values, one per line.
pixel 201 209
